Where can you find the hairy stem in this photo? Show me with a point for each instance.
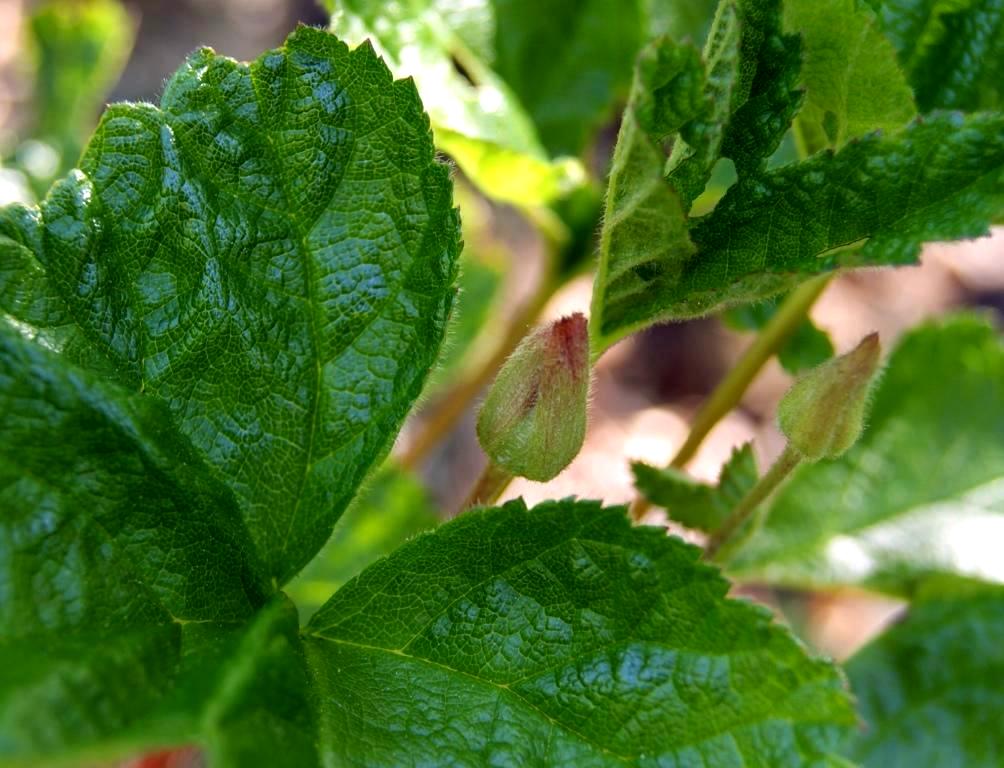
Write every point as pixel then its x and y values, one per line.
pixel 779 470
pixel 488 488
pixel 730 390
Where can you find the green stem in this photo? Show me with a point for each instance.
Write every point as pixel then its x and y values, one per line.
pixel 766 485
pixel 489 487
pixel 730 390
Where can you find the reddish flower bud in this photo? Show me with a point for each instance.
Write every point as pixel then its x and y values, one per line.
pixel 533 421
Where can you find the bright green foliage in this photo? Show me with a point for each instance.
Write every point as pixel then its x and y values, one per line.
pixel 392 508
pixel 272 253
pixel 929 689
pixel 533 419
pixel 952 50
pixel 80 49
pixel 807 347
pixel 561 636
pixel 644 238
pixel 477 118
pixel 823 413
pixel 942 178
pixel 921 492
pixel 852 79
pixel 694 504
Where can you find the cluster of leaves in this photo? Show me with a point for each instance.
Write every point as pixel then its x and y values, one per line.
pixel 212 329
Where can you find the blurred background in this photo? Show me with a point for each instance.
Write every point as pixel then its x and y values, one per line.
pixel 646 389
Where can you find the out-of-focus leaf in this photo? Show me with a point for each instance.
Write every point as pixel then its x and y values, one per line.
pixel 853 81
pixel 807 347
pixel 952 50
pixel 80 49
pixel 477 118
pixel 920 495
pixel 928 689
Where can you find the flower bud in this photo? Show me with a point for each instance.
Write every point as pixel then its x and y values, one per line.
pixel 823 414
pixel 533 421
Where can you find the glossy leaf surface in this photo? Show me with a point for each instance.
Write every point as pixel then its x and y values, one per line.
pixel 272 253
pixel 561 636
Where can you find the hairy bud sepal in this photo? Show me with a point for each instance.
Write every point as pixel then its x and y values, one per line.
pixel 823 413
pixel 533 421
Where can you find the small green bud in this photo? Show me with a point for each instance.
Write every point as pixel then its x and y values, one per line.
pixel 533 421
pixel 822 415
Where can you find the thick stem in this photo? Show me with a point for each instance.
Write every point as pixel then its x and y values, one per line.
pixel 489 487
pixel 766 485
pixel 731 389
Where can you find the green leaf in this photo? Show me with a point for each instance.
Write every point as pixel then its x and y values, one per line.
pixel 737 104
pixel 942 178
pixel 272 253
pixel 391 509
pixel 561 636
pixel 807 347
pixel 567 61
pixel 644 237
pixel 115 543
pixel 80 48
pixel 929 689
pixel 477 118
pixel 853 81
pixel 694 504
pixel 919 495
pixel 952 50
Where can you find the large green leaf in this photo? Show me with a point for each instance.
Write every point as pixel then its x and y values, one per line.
pixel 116 544
pixel 272 253
pixel 477 117
pixel 952 50
pixel 929 689
pixel 561 636
pixel 941 178
pixel 852 79
pixel 920 495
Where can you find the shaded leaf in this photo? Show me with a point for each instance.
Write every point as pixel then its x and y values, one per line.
pixel 116 544
pixel 695 504
pixel 271 252
pixel 561 635
pixel 920 493
pixel 928 689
